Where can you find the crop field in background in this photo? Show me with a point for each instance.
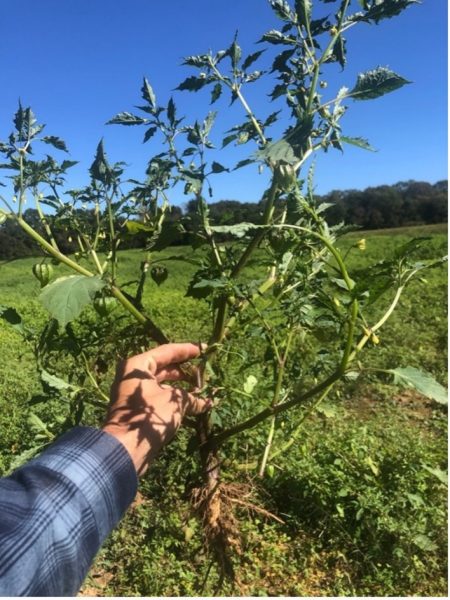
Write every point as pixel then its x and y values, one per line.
pixel 357 507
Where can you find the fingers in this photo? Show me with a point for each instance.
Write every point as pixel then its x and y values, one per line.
pixel 168 354
pixel 171 373
pixel 193 405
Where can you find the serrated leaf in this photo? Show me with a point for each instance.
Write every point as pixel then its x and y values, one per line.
pixel 126 118
pixel 376 83
pixel 276 37
pixel 281 9
pixel 193 84
pixel 216 92
pixel 100 168
pixel 66 297
pixel 383 9
pixel 171 111
pixel 235 53
pixel 358 141
pixel 54 382
pixel 148 94
pixel 303 8
pixel 243 163
pixel 149 133
pixel 280 62
pixel 54 141
pixel 251 58
pixel 278 151
pixel 420 381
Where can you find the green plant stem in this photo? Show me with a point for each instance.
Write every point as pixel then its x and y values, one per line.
pixel 45 223
pixel 256 240
pixel 21 190
pixel 297 430
pixel 275 400
pixel 51 250
pixel 250 113
pixel 366 337
pixel 265 457
pixel 112 234
pixel 324 56
pixel 154 331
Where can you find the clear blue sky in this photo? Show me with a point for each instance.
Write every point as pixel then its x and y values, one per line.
pixel 79 62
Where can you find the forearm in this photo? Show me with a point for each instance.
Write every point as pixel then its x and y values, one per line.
pixel 58 509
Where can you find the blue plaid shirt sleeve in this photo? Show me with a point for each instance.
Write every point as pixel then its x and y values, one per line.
pixel 56 511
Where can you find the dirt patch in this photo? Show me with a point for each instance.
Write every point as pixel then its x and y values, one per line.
pixel 96 584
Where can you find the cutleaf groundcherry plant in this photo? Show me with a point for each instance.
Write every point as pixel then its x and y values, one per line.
pixel 279 340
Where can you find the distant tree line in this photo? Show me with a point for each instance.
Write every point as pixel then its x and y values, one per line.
pixel 404 203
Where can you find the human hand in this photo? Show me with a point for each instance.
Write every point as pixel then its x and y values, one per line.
pixel 144 414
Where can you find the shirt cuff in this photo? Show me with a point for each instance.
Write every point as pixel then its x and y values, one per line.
pixel 100 467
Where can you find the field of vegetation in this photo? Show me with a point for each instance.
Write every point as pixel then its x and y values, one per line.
pixel 356 507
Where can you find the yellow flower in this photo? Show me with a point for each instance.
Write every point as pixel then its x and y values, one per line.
pixel 361 244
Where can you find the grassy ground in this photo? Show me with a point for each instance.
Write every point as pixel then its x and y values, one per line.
pixel 360 495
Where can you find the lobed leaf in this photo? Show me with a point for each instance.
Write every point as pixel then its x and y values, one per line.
pixel 358 141
pixel 420 381
pixel 56 142
pixel 376 83
pixel 126 118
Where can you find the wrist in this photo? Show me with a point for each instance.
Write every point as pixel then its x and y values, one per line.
pixel 139 449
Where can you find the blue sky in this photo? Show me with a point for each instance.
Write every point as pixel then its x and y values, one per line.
pixel 79 62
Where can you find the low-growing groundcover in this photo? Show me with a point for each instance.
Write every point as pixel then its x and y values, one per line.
pixel 283 475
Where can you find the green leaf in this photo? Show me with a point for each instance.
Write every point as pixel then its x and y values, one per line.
pixel 276 37
pixel 216 92
pixel 281 9
pixel 56 142
pixel 382 9
pixel 126 118
pixel 148 94
pixel 171 111
pixel 376 83
pixel 423 542
pixel 235 53
pixel 149 133
pixel 135 227
pixel 251 58
pixel 278 151
pixel 218 168
pixel 100 169
pixel 420 381
pixel 358 141
pixel 54 382
pixel 303 8
pixel 202 60
pixel 193 84
pixel 66 297
pixel 438 473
